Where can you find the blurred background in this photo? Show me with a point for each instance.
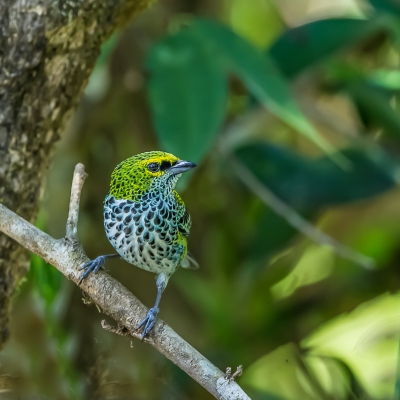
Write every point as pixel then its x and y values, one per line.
pixel 290 108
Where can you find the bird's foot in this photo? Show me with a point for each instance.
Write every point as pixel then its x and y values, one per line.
pixel 148 322
pixel 92 266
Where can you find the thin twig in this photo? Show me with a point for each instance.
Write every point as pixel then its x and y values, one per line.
pixel 77 183
pixel 232 377
pixel 296 220
pixel 116 301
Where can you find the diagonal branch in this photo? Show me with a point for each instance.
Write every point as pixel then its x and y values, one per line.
pixel 296 220
pixel 112 297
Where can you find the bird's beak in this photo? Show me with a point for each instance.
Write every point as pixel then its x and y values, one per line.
pixel 182 166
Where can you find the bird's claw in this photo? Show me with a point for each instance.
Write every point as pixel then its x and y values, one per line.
pixel 148 322
pixel 92 266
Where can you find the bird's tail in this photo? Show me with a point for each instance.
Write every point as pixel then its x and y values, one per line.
pixel 189 262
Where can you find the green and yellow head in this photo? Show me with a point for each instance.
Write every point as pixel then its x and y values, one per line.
pixel 153 170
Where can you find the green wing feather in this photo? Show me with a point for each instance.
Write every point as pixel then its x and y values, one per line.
pixel 184 225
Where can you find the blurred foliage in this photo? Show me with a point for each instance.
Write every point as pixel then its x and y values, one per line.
pixel 304 97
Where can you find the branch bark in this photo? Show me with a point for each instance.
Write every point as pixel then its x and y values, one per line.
pixel 114 299
pixel 47 51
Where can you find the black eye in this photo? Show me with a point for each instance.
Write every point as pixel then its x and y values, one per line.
pixel 153 167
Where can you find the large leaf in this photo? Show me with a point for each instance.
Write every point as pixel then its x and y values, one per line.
pixel 285 373
pixel 366 340
pixel 307 184
pixel 259 74
pixel 187 87
pixel 303 46
pixel 187 90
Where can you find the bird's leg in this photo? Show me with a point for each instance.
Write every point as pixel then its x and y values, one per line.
pixel 150 319
pixel 95 265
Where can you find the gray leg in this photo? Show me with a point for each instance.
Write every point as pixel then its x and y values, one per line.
pixel 150 319
pixel 95 265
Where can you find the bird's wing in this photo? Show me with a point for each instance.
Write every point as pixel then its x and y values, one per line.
pixel 184 221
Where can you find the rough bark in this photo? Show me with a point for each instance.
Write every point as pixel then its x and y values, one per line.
pixel 47 51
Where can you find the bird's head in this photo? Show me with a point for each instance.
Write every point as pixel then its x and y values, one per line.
pixel 150 171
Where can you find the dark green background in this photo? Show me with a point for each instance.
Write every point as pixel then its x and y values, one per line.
pixel 291 111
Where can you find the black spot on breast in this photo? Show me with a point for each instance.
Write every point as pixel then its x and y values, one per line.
pixel 151 228
pixel 129 202
pixel 128 219
pixel 118 227
pixel 145 197
pixel 111 224
pixel 137 206
pixel 160 205
pixel 127 230
pixel 122 205
pixel 150 215
pixel 116 235
pixel 140 230
pixel 119 218
pixel 136 218
pixel 157 220
pixel 117 211
pixel 146 236
pixel 106 215
pixel 141 248
pixel 127 209
pixel 111 200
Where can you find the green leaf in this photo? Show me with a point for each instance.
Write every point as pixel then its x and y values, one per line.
pixel 308 184
pixel 286 373
pixel 188 90
pixel 373 105
pixel 391 6
pixel 306 45
pixel 188 94
pixel 47 280
pixel 363 339
pixel 259 74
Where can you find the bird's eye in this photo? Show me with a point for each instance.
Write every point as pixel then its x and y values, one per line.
pixel 153 167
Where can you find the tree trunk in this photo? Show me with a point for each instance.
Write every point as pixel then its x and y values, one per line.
pixel 47 51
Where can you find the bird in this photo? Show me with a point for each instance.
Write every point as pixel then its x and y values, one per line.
pixel 146 220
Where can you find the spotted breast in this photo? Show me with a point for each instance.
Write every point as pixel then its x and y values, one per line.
pixel 149 232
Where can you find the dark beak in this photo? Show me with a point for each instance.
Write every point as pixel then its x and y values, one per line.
pixel 182 166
